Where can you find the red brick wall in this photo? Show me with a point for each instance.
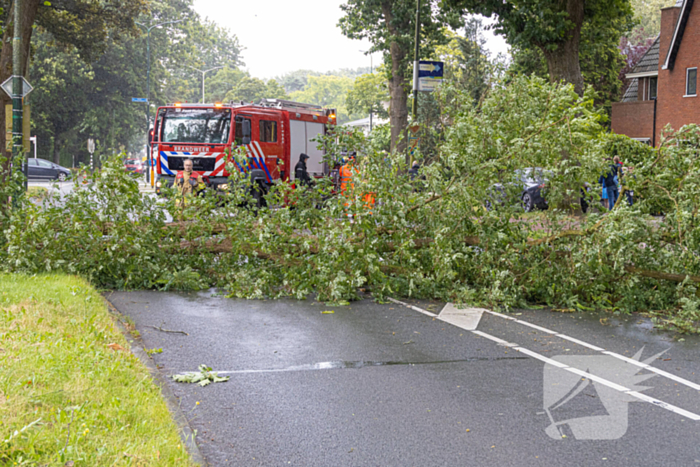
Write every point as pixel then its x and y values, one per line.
pixel 634 119
pixel 669 18
pixel 673 108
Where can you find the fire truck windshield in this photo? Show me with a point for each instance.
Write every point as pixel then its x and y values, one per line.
pixel 196 125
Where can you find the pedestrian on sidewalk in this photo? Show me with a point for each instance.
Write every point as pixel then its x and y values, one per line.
pixel 609 183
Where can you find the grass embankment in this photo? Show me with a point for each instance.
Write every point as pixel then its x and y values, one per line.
pixel 70 391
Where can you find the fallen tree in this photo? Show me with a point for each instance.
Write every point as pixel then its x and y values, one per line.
pixel 429 237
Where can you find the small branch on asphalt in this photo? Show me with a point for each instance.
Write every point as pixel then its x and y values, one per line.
pixel 167 330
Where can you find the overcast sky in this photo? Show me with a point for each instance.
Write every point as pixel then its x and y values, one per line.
pixel 286 35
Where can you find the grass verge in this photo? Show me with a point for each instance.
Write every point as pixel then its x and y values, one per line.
pixel 37 192
pixel 70 391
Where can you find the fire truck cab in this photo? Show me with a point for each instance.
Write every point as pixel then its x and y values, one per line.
pixel 274 132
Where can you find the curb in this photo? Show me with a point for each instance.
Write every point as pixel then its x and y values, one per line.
pixel 187 434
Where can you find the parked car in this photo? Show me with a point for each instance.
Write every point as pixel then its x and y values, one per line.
pixel 133 165
pixel 47 170
pixel 525 189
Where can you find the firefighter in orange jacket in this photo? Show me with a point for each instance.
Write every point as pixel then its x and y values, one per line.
pixel 187 184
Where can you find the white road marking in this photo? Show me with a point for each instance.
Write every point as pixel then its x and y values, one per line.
pixel 467 318
pixel 581 343
pixel 414 308
pixel 584 374
pixel 495 339
pixel 670 376
pixel 663 373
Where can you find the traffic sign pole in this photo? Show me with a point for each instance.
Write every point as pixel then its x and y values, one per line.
pixel 416 56
pixel 17 82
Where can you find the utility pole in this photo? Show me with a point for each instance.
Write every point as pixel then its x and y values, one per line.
pixel 17 90
pixel 149 172
pixel 204 72
pixel 416 59
pixel 371 71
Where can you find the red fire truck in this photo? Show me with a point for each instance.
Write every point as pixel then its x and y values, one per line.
pixel 275 132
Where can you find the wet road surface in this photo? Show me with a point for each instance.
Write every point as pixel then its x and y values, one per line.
pixel 373 384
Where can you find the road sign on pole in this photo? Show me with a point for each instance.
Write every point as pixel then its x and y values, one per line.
pixel 91 150
pixel 7 87
pixel 430 75
pixel 139 99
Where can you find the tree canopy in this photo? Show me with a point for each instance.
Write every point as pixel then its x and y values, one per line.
pixel 390 26
pixel 555 28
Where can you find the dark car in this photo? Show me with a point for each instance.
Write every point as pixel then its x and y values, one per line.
pixel 525 189
pixel 47 170
pixel 134 166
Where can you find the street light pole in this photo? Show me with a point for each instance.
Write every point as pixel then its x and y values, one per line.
pixel 204 72
pixel 149 172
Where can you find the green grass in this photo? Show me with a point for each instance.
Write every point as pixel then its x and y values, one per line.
pixel 38 192
pixel 76 398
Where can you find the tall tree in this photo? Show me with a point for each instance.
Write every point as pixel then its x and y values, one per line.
pixel 79 96
pixel 554 27
pixel 390 27
pixel 369 93
pixel 84 24
pixel 601 59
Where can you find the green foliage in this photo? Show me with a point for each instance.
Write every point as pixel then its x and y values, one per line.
pixel 600 58
pixel 369 93
pixel 203 377
pixel 647 14
pixel 83 93
pixel 298 80
pixel 390 27
pixel 328 92
pixel 427 238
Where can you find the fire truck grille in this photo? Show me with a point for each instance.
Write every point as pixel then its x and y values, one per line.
pixel 199 164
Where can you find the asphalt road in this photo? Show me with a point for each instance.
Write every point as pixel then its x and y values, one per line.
pixel 382 385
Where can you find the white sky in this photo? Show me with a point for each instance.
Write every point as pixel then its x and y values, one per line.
pixel 286 35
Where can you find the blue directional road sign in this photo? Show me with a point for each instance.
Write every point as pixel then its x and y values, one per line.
pixel 430 69
pixel 139 99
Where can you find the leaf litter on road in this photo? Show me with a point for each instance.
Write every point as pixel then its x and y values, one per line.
pixel 203 377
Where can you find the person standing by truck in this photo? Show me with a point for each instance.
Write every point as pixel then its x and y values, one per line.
pixel 301 173
pixel 187 183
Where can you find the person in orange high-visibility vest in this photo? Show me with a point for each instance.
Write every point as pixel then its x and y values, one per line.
pixel 346 174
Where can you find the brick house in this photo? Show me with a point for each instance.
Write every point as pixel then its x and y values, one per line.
pixel 664 87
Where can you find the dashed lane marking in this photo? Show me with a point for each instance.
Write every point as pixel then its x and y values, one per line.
pixel 579 372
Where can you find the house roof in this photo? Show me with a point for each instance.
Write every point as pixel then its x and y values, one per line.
pixel 686 6
pixel 649 62
pixel 631 93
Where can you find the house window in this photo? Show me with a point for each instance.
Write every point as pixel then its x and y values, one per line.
pixel 268 131
pixel 652 88
pixel 691 82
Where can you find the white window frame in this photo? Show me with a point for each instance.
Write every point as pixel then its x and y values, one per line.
pixel 687 72
pixel 648 86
